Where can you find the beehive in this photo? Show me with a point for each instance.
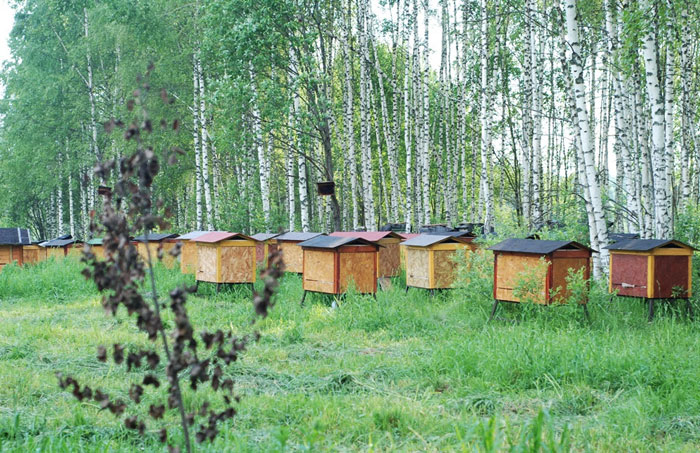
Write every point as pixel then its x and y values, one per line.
pixel 292 255
pixel 528 270
pixel 165 241
pixel 404 238
pixel 266 245
pixel 389 255
pixel 188 253
pixel 11 242
pixel 61 247
pixel 33 253
pixel 651 269
pixel 96 247
pixel 331 264
pixel 225 258
pixel 430 259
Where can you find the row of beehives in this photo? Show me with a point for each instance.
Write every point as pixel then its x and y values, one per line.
pixel 651 269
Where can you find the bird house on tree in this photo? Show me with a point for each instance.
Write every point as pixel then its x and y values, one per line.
pixel 266 245
pixel 225 258
pixel 11 242
pixel 389 255
pixel 96 247
pixel 332 263
pixel 33 253
pixel 156 241
pixel 188 252
pixel 61 247
pixel 430 260
pixel 651 269
pixel 529 270
pixel 292 255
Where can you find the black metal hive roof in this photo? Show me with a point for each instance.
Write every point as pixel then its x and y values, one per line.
pixel 426 240
pixel 264 236
pixel 645 245
pixel 617 237
pixel 155 237
pixel 57 242
pixel 14 236
pixel 534 246
pixel 333 242
pixel 297 236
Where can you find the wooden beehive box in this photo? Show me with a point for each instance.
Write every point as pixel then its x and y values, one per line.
pixel 166 241
pixel 651 268
pixel 188 252
pixel 404 238
pixel 430 259
pixel 266 245
pixel 389 255
pixel 61 247
pixel 33 253
pixel 11 242
pixel 542 265
pixel 331 264
pixel 292 255
pixel 96 247
pixel 225 258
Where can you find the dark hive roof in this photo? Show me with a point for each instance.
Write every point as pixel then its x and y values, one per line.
pixel 58 242
pixel 617 237
pixel 426 240
pixel 535 246
pixel 645 245
pixel 333 242
pixel 367 235
pixel 297 236
pixel 264 236
pixel 14 236
pixel 155 237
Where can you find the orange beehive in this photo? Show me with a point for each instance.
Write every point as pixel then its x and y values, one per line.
pixel 33 253
pixel 331 264
pixel 651 269
pixel 266 245
pixel 11 242
pixel 430 261
pixel 96 247
pixel 389 256
pixel 292 256
pixel 225 258
pixel 164 241
pixel 529 269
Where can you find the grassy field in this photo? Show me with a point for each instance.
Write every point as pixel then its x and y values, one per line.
pixel 404 372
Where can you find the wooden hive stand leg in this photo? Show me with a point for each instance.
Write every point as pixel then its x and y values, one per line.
pixel 407 289
pixel 196 286
pixel 493 310
pixel 303 298
pixel 651 310
pixel 218 288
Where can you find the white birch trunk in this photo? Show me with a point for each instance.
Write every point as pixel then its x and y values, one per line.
pixel 263 162
pixel 425 88
pixel 197 149
pixel 349 118
pixel 204 144
pixel 485 114
pixel 579 88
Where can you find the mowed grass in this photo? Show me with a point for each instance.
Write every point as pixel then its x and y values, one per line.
pixel 404 372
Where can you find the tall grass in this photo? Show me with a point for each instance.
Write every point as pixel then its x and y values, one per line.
pixel 406 372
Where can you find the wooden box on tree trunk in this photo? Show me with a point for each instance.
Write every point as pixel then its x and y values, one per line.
pixel 164 241
pixel 267 245
pixel 225 258
pixel 331 264
pixel 188 252
pixel 389 255
pixel 430 261
pixel 11 242
pixel 529 269
pixel 33 253
pixel 292 255
pixel 651 269
pixel 96 247
pixel 61 247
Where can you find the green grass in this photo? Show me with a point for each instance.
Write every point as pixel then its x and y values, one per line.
pixel 406 372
